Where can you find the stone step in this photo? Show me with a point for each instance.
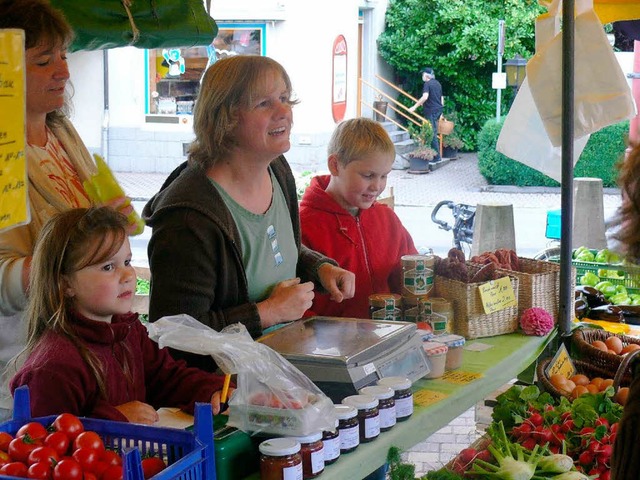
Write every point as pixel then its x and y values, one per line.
pixel 404 146
pixel 399 136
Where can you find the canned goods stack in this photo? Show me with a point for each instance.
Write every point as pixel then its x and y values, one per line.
pixel 385 306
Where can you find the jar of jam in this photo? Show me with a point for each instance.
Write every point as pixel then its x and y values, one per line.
pixel 386 405
pixel 385 306
pixel 402 395
pixel 368 415
pixel 280 459
pixel 312 451
pixel 348 427
pixel 331 441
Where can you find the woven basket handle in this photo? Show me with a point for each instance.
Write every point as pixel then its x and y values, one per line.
pixel 623 368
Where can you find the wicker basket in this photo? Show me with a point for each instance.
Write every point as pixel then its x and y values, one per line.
pixel 582 367
pixel 610 362
pixel 445 127
pixel 469 318
pixel 539 285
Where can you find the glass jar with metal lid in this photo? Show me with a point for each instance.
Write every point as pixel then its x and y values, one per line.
pixel 402 395
pixel 331 441
pixel 348 427
pixel 280 458
pixel 386 404
pixel 312 451
pixel 368 415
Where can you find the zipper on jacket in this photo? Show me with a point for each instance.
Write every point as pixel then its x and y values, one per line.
pixel 364 250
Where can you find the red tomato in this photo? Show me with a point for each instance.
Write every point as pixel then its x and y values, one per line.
pixel 40 470
pixel 4 458
pixel 152 466
pixel 87 458
pixel 99 468
pixel 88 440
pixel 35 430
pixel 21 447
pixel 111 457
pixel 43 454
pixel 58 441
pixel 67 469
pixel 69 424
pixel 90 476
pixel 114 472
pixel 14 469
pixel 5 438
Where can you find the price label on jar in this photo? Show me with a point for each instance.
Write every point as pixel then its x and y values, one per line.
pixel 497 295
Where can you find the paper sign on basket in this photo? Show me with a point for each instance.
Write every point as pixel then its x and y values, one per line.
pixel 497 295
pixel 13 171
pixel 561 363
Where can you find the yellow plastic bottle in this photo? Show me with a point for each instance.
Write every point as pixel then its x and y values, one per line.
pixel 103 187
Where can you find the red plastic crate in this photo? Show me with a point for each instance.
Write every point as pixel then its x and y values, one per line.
pixel 189 455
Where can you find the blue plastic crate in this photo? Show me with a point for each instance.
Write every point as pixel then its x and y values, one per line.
pixel 189 455
pixel 554 225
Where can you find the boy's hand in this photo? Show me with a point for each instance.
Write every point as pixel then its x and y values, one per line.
pixel 340 283
pixel 139 412
pixel 288 301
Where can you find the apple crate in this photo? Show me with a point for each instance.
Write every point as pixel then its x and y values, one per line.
pixel 189 455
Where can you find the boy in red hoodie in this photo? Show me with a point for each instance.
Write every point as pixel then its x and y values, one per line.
pixel 340 217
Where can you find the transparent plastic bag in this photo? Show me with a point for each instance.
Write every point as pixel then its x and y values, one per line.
pixel 272 395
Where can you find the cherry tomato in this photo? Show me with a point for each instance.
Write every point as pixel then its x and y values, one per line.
pixel 87 458
pixel 40 471
pixel 35 430
pixel 152 466
pixel 5 438
pixel 90 476
pixel 43 454
pixel 69 424
pixel 4 458
pixel 114 472
pixel 21 447
pixel 59 441
pixel 88 440
pixel 99 468
pixel 111 457
pixel 14 469
pixel 67 469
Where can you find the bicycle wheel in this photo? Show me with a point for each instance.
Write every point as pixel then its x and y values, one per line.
pixel 547 253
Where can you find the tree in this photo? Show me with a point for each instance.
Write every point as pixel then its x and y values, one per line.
pixel 458 39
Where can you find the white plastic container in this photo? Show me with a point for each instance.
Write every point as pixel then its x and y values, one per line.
pixel 437 354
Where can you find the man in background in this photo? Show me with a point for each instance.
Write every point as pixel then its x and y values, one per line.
pixel 432 103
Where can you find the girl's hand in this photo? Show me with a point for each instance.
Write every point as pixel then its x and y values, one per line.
pixel 123 205
pixel 340 283
pixel 139 412
pixel 288 301
pixel 215 402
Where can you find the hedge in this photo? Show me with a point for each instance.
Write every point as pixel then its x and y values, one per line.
pixel 603 151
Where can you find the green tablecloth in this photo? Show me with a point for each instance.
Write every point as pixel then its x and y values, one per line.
pixel 438 401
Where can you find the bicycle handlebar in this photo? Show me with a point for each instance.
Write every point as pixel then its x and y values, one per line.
pixel 441 223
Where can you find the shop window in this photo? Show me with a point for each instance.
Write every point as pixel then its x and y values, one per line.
pixel 174 74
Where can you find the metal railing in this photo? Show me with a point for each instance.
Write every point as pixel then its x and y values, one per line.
pixel 393 104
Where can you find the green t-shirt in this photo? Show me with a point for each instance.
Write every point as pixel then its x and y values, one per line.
pixel 269 251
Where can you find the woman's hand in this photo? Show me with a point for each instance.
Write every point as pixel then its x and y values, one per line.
pixel 215 402
pixel 288 301
pixel 340 283
pixel 139 412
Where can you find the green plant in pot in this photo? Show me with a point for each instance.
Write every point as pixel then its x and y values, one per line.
pixel 419 158
pixel 451 144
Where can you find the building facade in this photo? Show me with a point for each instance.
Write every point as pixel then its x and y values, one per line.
pixel 135 106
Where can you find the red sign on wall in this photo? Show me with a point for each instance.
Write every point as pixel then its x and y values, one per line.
pixel 339 79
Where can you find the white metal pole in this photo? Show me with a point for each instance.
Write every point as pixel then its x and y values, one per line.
pixel 500 53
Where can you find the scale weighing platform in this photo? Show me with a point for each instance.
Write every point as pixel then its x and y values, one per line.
pixel 342 355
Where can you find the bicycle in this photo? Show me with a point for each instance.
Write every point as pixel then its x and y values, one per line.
pixel 463 221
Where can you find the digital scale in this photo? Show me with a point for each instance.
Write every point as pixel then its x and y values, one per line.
pixel 342 355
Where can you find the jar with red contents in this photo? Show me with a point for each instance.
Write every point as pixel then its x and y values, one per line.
pixel 312 451
pixel 368 415
pixel 280 459
pixel 331 442
pixel 402 395
pixel 386 405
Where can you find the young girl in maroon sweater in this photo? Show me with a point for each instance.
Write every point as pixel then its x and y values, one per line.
pixel 87 354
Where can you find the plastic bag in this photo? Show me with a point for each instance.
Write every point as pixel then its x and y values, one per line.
pixel 272 395
pixel 601 93
pixel 523 138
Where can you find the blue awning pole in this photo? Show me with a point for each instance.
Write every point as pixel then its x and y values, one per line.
pixel 568 46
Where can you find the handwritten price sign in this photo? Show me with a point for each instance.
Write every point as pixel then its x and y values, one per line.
pixel 497 295
pixel 13 172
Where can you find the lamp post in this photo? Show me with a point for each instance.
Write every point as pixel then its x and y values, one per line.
pixel 516 70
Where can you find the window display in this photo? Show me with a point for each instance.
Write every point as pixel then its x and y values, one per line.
pixel 173 74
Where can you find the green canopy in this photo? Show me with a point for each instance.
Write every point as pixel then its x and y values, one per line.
pixel 100 24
